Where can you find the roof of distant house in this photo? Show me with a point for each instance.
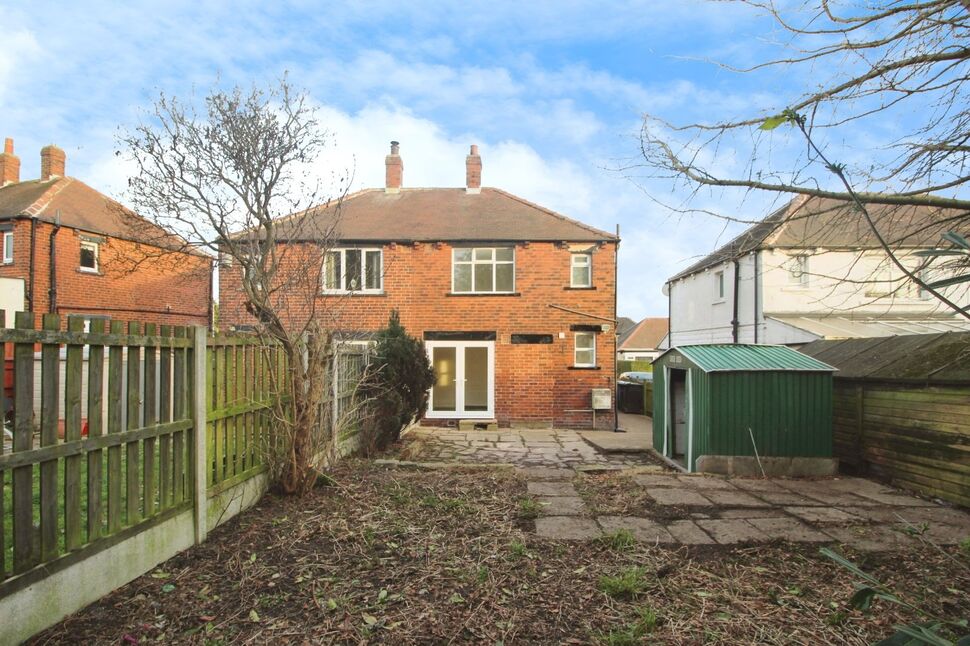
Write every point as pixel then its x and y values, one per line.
pixel 813 222
pixel 435 214
pixel 623 325
pixel 72 203
pixel 647 334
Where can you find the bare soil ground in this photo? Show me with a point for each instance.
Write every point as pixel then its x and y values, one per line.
pixel 398 556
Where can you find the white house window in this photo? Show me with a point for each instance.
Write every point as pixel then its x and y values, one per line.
pixel 352 270
pixel 719 285
pixel 585 353
pixel 582 270
pixel 7 247
pixel 483 270
pixel 798 270
pixel 89 256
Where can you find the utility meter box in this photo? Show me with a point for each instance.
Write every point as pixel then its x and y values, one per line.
pixel 602 399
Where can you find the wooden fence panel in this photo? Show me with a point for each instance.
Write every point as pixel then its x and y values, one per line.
pixel 23 441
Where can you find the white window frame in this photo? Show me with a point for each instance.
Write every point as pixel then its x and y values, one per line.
pixel 577 349
pixel 97 257
pixel 363 271
pixel 473 262
pixel 7 237
pixel 719 286
pixel 573 265
pixel 460 411
pixel 798 270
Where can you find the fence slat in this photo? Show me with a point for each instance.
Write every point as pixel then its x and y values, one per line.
pixel 49 418
pixel 115 356
pixel 232 449
pixel 151 418
pixel 239 397
pixel 23 440
pixel 179 404
pixel 3 475
pixel 210 427
pixel 165 415
pixel 72 431
pixel 95 429
pixel 132 422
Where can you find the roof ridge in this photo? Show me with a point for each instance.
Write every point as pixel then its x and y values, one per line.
pixel 551 212
pixel 41 203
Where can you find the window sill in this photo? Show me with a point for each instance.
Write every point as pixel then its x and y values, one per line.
pixel 572 288
pixel 486 294
pixel 719 301
pixel 89 272
pixel 584 368
pixel 354 294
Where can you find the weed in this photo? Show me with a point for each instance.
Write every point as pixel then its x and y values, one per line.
pixel 482 574
pixel 965 545
pixel 621 539
pixel 628 583
pixel 517 549
pixel 444 504
pixel 528 507
pixel 632 633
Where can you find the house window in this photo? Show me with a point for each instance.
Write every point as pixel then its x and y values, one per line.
pixel 582 270
pixel 483 270
pixel 89 256
pixel 7 247
pixel 585 353
pixel 719 285
pixel 352 270
pixel 798 270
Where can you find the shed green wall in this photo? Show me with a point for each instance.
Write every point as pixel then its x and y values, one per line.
pixel 658 418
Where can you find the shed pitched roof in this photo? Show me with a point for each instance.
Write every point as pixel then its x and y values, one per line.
pixel 436 214
pixel 943 357
pixel 807 223
pixel 748 358
pixel 646 334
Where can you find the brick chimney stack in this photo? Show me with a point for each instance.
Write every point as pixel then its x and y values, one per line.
pixel 473 171
pixel 52 162
pixel 9 164
pixel 394 170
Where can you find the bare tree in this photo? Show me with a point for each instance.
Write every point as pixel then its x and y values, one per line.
pixel 235 177
pixel 895 61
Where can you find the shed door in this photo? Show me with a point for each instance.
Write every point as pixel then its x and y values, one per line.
pixel 678 412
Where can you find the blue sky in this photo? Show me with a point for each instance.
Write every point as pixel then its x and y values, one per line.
pixel 551 92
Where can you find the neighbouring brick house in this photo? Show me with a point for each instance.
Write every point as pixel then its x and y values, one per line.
pixel 80 253
pixel 515 303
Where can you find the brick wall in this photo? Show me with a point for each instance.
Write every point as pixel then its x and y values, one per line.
pixel 534 384
pixel 135 283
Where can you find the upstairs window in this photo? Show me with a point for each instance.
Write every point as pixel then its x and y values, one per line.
pixel 585 350
pixel 89 256
pixel 483 270
pixel 798 270
pixel 581 274
pixel 352 270
pixel 7 247
pixel 719 285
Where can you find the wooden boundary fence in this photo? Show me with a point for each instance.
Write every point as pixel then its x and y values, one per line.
pixel 166 408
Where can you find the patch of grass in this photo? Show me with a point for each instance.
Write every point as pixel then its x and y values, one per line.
pixel 455 505
pixel 632 633
pixel 483 573
pixel 965 546
pixel 628 583
pixel 528 507
pixel 517 549
pixel 620 539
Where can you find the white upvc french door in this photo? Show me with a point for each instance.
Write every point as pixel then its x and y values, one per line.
pixel 464 384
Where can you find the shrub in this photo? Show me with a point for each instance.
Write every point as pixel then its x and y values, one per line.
pixel 397 386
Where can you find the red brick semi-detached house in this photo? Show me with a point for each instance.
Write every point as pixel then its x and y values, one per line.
pixel 515 303
pixel 80 253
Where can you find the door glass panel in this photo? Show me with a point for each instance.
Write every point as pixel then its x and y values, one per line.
pixel 476 379
pixel 444 362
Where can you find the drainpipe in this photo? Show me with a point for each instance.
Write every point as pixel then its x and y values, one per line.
pixel 670 315
pixel 33 250
pixel 52 251
pixel 757 295
pixel 735 324
pixel 616 387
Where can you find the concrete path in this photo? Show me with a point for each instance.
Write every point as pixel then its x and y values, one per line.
pixel 701 510
pixel 547 448
pixel 637 436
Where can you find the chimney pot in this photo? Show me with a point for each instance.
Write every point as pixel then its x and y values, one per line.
pixel 53 162
pixel 9 164
pixel 473 171
pixel 394 170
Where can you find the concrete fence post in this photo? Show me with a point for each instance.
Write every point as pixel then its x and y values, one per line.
pixel 199 457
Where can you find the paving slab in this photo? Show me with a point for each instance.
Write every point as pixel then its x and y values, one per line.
pixel 643 529
pixel 658 480
pixel 704 482
pixel 821 514
pixel 734 499
pixel 946 515
pixel 785 497
pixel 823 492
pixel 751 512
pixel 678 497
pixel 567 528
pixel 758 484
pixel 610 442
pixel 731 531
pixel 551 489
pixel 688 533
pixel 545 473
pixel 939 533
pixel 868 538
pixel 789 529
pixel 561 506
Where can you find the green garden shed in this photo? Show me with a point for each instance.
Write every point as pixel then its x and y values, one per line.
pixel 766 403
